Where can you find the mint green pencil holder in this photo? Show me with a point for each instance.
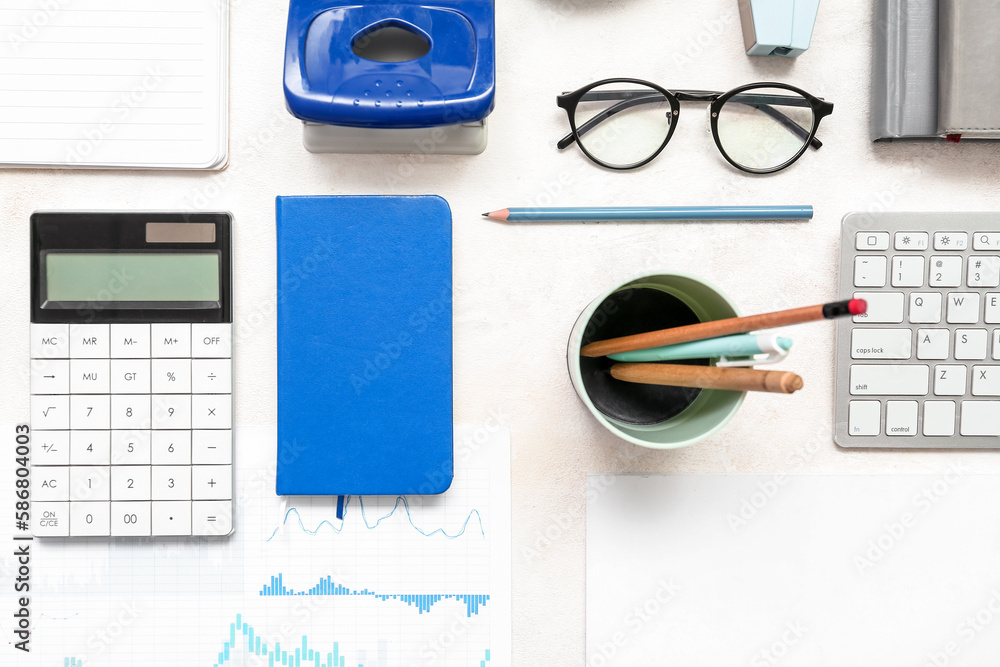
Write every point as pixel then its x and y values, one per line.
pixel 709 412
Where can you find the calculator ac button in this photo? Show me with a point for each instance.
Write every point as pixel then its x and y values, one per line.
pixel 211 340
pixel 49 341
pixel 50 412
pixel 49 376
pixel 90 519
pixel 49 519
pixel 49 483
pixel 50 448
pixel 130 376
pixel 89 341
pixel 130 341
pixel 89 376
pixel 130 519
pixel 170 340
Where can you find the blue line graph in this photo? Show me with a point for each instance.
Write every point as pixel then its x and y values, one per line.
pixel 400 500
pixel 303 655
pixel 422 601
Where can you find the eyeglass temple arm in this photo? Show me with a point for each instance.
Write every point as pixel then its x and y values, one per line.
pixel 635 98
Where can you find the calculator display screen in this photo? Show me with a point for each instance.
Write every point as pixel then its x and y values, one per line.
pixel 95 277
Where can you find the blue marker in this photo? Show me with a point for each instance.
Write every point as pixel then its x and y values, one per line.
pixel 738 350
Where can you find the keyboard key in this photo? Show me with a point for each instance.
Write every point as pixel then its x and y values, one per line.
pixel 50 483
pixel 963 307
pixel 50 412
pixel 925 307
pixel 971 343
pixel 996 343
pixel 945 272
pixel 50 448
pixel 951 240
pixel 130 376
pixel 883 307
pixel 130 448
pixel 992 311
pixel 869 271
pixel 881 343
pixel 910 241
pixel 130 519
pixel 984 271
pixel 89 341
pixel 90 483
pixel 171 411
pixel 171 376
pixel 211 376
pixel 986 241
pixel 950 379
pixel 170 340
pixel 871 241
pixel 864 418
pixel 171 517
pixel 90 412
pixel 212 447
pixel 89 376
pixel 49 341
pixel 211 340
pixel 986 380
pixel 49 519
pixel 90 448
pixel 50 376
pixel 211 517
pixel 900 417
pixel 130 411
pixel 90 519
pixel 211 482
pixel 130 341
pixel 933 343
pixel 211 411
pixel 939 418
pixel 908 271
pixel 886 379
pixel 130 482
pixel 980 418
pixel 171 447
pixel 171 483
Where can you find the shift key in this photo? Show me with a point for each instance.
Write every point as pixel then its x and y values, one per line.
pixel 889 379
pixel 883 307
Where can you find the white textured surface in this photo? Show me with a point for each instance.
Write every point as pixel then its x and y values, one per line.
pixel 519 289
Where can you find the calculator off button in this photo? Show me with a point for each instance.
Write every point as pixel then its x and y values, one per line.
pixel 211 340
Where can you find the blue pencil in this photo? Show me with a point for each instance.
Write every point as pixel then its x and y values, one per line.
pixel 595 214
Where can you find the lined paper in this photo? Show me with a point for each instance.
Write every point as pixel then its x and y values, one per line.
pixel 114 83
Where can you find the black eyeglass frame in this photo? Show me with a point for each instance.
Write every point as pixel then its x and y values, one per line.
pixel 569 102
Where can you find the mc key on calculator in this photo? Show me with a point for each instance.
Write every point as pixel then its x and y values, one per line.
pixel 131 374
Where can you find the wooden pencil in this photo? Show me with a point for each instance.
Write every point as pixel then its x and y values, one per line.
pixel 708 377
pixel 733 325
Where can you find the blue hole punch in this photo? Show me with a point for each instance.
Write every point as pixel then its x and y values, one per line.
pixel 391 77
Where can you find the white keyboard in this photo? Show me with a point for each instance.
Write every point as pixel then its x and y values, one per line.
pixel 922 367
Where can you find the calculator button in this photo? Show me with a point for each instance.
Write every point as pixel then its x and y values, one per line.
pixel 951 241
pixel 90 448
pixel 945 272
pixel 211 518
pixel 130 376
pixel 130 447
pixel 88 483
pixel 171 483
pixel 130 412
pixel 986 241
pixel 211 340
pixel 171 411
pixel 211 411
pixel 130 341
pixel 49 341
pixel 900 418
pixel 50 483
pixel 130 482
pixel 986 380
pixel 89 376
pixel 984 271
pixel 51 448
pixel 925 307
pixel 49 519
pixel 971 343
pixel 889 379
pixel 90 412
pixel 212 447
pixel 211 376
pixel 963 307
pixel 950 379
pixel 939 418
pixel 864 418
pixel 90 519
pixel 171 517
pixel 883 307
pixel 171 447
pixel 130 519
pixel 50 376
pixel 980 418
pixel 170 340
pixel 211 482
pixel 880 343
pixel 933 343
pixel 172 376
pixel 869 271
pixel 871 241
pixel 992 314
pixel 910 240
pixel 908 271
pixel 50 412
pixel 89 341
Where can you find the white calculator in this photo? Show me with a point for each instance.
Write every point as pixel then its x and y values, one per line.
pixel 131 374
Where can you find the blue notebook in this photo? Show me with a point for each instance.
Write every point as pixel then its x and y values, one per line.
pixel 364 345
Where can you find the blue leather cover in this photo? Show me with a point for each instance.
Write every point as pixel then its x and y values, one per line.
pixel 326 82
pixel 364 345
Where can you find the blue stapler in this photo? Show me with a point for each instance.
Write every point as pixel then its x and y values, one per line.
pixel 777 27
pixel 391 77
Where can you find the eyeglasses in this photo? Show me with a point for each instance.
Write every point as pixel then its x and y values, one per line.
pixel 759 128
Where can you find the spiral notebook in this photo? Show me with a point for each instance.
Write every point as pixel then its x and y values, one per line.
pixel 130 84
